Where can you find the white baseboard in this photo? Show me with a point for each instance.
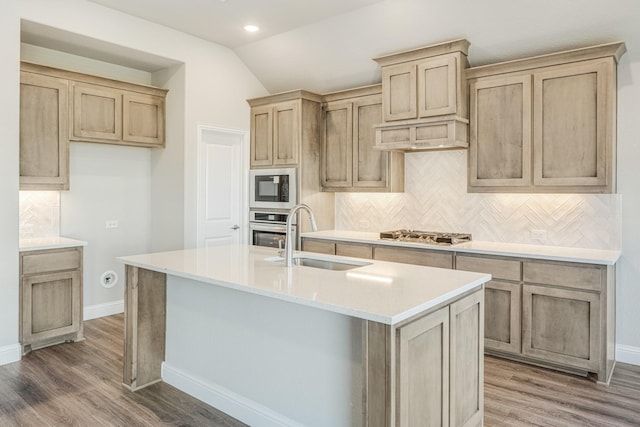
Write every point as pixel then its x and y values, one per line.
pixel 225 400
pixel 628 354
pixel 102 310
pixel 10 353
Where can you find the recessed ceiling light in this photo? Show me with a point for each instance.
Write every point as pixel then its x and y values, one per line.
pixel 251 28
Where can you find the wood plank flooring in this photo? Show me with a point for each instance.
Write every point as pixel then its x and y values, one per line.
pixel 79 384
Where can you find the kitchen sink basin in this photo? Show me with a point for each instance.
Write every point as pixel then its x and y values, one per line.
pixel 328 264
pixel 323 263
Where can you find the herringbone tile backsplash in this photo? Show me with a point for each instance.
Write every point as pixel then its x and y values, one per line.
pixel 436 199
pixel 39 214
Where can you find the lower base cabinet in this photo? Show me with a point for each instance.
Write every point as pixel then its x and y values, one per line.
pixel 433 368
pixel 50 297
pixel 551 313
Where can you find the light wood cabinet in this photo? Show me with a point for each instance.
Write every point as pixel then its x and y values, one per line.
pixel 44 138
pixel 561 326
pixel 545 124
pixel 275 134
pixel 114 116
pixel 428 371
pixel 568 315
pixel 286 131
pixel 553 313
pixel 50 297
pixel 107 111
pixel 319 246
pixel 426 257
pixel 503 295
pixel 349 161
pixel 424 100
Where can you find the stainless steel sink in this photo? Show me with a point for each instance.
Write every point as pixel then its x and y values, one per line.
pixel 323 263
pixel 327 264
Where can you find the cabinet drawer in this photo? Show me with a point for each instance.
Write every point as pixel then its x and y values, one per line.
pixel 507 269
pixel 319 246
pixel 568 275
pixel 354 250
pixel 42 262
pixel 414 256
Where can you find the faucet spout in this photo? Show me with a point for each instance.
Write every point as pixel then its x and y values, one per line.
pixel 288 243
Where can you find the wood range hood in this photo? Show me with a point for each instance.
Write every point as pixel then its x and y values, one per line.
pixel 424 99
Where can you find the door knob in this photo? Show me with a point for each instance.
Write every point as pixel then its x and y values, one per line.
pixel 235 227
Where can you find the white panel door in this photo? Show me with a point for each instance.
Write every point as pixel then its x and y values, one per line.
pixel 221 187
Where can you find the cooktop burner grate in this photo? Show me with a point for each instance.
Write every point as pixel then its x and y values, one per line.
pixel 426 237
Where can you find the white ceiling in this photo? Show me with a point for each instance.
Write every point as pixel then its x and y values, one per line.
pixel 327 45
pixel 222 21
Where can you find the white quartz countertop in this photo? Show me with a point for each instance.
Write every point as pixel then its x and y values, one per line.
pixel 42 243
pixel 383 292
pixel 554 253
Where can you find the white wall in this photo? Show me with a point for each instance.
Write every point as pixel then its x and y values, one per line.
pixel 9 134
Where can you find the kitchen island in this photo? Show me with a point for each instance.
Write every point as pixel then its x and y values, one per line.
pixel 382 344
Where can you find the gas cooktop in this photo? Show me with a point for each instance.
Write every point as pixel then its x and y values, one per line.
pixel 426 237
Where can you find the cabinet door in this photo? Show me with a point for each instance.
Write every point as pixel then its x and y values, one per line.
pixel 437 86
pixel 261 136
pixel 502 316
pixel 143 119
pixel 44 136
pixel 336 164
pixel 356 250
pixel 286 135
pixel 399 89
pixel 466 401
pixel 96 114
pixel 573 125
pixel 561 326
pixel 319 246
pixel 500 130
pixel 423 377
pixel 51 305
pixel 440 259
pixel 370 167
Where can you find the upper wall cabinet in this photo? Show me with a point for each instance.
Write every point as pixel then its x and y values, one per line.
pixel 44 139
pixel 275 133
pixel 348 160
pixel 545 124
pixel 424 100
pixel 110 111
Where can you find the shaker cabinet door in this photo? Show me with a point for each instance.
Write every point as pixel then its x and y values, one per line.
pixel 261 136
pixel 286 137
pixel 437 86
pixel 500 131
pixel 96 113
pixel 399 89
pixel 44 136
pixel 337 145
pixel 573 107
pixel 561 326
pixel 370 167
pixel 143 119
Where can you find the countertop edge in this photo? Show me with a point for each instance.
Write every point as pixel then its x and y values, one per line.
pixel 40 244
pixel 509 250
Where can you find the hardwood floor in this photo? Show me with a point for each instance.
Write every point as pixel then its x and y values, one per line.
pixel 521 395
pixel 79 385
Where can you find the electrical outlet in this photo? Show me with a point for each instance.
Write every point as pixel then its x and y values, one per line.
pixel 111 223
pixel 364 224
pixel 539 235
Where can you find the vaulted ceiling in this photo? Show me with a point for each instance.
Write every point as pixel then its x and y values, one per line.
pixel 326 45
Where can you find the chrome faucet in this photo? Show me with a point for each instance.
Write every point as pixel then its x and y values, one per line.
pixel 288 243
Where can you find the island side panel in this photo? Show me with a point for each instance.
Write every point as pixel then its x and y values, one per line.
pixel 145 326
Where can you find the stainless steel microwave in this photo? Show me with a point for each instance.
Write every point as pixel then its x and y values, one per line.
pixel 273 188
